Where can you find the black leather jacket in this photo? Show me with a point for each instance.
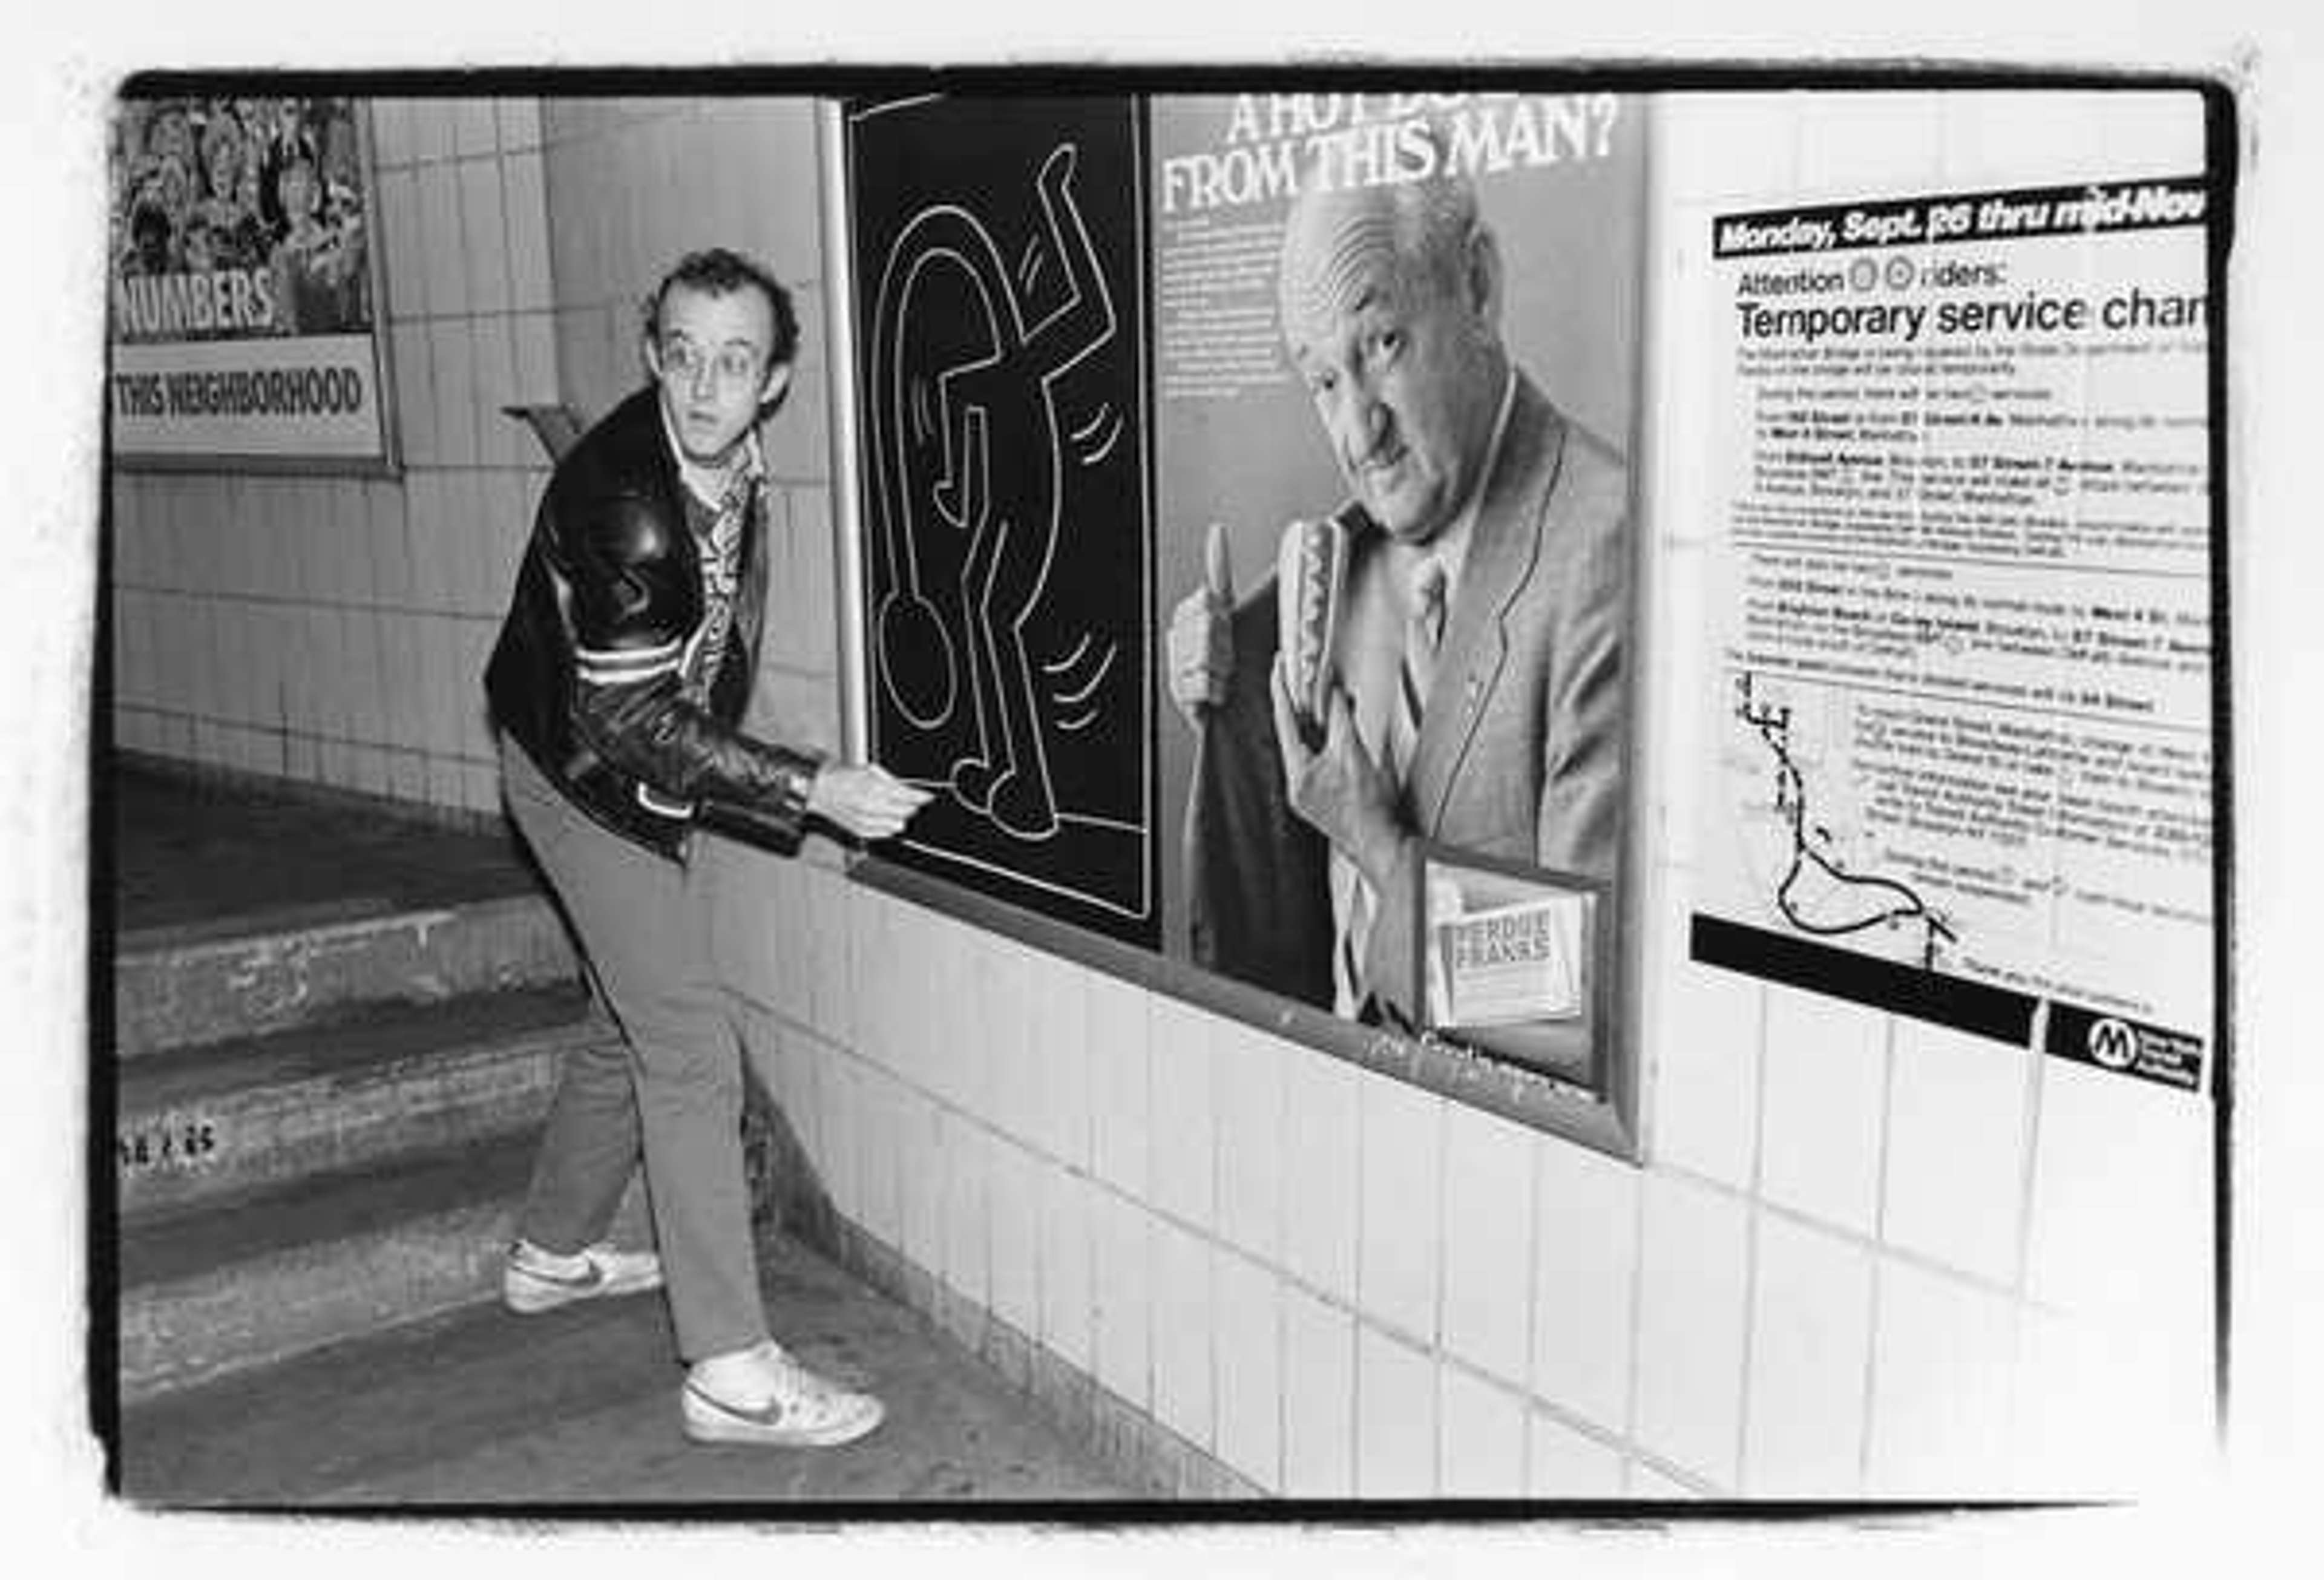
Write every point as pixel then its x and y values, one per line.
pixel 586 678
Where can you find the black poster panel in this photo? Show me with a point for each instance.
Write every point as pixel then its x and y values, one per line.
pixel 1000 333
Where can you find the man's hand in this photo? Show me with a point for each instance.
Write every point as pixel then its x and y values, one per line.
pixel 1202 634
pixel 864 798
pixel 1336 785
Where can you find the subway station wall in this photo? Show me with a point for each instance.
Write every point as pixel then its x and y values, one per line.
pixel 1862 1257
pixel 329 629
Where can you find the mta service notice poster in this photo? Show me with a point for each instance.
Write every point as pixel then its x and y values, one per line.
pixel 1963 708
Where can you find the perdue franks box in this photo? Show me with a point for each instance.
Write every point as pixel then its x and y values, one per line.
pixel 1510 963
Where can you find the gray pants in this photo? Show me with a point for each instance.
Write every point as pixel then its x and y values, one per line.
pixel 674 1089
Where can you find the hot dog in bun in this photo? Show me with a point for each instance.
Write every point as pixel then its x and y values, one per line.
pixel 1311 568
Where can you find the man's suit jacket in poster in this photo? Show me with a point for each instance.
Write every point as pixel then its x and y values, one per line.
pixel 1521 745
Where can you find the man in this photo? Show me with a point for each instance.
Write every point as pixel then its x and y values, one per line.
pixel 618 687
pixel 1478 657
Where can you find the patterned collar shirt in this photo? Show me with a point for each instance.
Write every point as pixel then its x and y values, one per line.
pixel 718 502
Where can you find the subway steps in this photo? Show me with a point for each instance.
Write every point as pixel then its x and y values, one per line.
pixel 189 985
pixel 325 1111
pixel 282 1192
pixel 195 1124
pixel 358 1169
pixel 260 1277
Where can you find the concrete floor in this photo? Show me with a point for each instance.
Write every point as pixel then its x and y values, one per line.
pixel 578 1409
pixel 188 858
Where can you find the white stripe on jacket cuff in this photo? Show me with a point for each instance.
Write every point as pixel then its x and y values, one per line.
pixel 628 666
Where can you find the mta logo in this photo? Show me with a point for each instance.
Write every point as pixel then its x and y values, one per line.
pixel 2112 1043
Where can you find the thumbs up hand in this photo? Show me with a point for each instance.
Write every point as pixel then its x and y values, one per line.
pixel 1202 637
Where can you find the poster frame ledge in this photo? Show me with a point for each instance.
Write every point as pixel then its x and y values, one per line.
pixel 1478 1080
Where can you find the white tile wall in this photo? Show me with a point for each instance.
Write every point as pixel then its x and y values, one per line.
pixel 1585 1267
pixel 965 1147
pixel 1319 1171
pixel 1821 1116
pixel 1185 1132
pixel 430 126
pixel 534 339
pixel 1645 1481
pixel 1062 1048
pixel 520 123
pixel 1692 1276
pixel 880 1170
pixel 500 441
pixel 1248 1092
pixel 922 1184
pixel 831 1096
pixel 1014 1043
pixel 1706 1077
pixel 1944 1352
pixel 1481 1450
pixel 1396 1418
pixel 484 233
pixel 2107 1407
pixel 415 394
pixel 1319 1393
pixel 1566 1463
pixel 1184 1314
pixel 1957 1137
pixel 2122 1195
pixel 832 999
pixel 1248 1366
pixel 879 1019
pixel 1399 1259
pixel 1811 1347
pixel 956 1067
pixel 1487 1236
pixel 1985 136
pixel 1121 1297
pixel 1067 1295
pixel 476 126
pixel 1843 151
pixel 1120 1120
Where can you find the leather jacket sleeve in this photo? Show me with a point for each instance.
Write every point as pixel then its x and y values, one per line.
pixel 632 604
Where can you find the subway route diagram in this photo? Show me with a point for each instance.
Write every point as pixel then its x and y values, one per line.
pixel 1816 892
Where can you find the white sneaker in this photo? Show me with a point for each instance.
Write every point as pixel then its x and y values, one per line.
pixel 763 1396
pixel 536 1280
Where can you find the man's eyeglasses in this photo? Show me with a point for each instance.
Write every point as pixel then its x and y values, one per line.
pixel 731 364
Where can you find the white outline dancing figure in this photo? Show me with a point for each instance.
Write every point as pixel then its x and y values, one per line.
pixel 1004 402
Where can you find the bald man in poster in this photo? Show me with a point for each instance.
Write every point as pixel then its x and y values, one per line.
pixel 1302 837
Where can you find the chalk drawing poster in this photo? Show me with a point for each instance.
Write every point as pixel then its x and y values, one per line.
pixel 1000 335
pixel 1963 706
